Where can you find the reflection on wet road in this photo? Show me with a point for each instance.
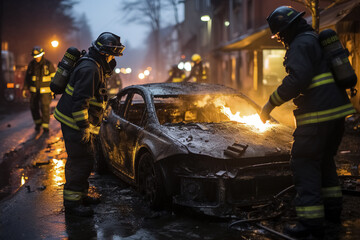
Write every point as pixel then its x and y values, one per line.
pixel 36 210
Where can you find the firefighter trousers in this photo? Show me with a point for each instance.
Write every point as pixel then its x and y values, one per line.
pixel 315 177
pixel 78 166
pixel 40 103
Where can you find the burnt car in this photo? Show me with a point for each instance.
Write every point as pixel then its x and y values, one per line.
pixel 201 146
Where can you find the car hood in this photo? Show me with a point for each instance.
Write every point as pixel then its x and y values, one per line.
pixel 216 139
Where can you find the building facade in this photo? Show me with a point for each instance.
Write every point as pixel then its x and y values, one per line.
pixel 236 42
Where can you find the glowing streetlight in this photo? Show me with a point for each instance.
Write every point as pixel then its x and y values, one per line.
pixel 181 65
pixel 128 70
pixel 187 66
pixel 205 18
pixel 227 23
pixel 117 70
pixel 146 72
pixel 55 43
pixel 141 76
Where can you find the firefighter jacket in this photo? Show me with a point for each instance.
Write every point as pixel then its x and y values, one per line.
pixel 199 72
pixel 38 76
pixel 176 75
pixel 311 84
pixel 84 100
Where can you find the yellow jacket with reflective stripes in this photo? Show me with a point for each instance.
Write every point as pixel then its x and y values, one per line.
pixel 84 100
pixel 199 72
pixel 38 76
pixel 310 84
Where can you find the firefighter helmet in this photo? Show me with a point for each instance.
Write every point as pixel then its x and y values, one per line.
pixel 196 57
pixel 281 18
pixel 37 52
pixel 108 43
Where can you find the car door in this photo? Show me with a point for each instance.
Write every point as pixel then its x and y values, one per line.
pixel 112 125
pixel 131 128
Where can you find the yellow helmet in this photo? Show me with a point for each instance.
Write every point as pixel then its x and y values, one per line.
pixel 196 57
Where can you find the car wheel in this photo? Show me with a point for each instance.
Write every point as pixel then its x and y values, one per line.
pixel 150 182
pixel 100 165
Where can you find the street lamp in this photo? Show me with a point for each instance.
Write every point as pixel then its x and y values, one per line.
pixel 141 76
pixel 128 70
pixel 55 43
pixel 205 18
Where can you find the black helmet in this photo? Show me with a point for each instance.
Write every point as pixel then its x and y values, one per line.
pixel 281 18
pixel 37 52
pixel 108 43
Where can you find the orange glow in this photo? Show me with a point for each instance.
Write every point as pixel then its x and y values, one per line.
pixel 23 179
pixel 343 172
pixel 58 176
pixel 253 120
pixel 10 85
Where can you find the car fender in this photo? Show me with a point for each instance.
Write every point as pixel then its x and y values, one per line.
pixel 160 145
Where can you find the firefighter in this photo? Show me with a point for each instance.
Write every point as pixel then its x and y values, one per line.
pixel 321 109
pixel 176 74
pixel 198 71
pixel 80 110
pixel 37 81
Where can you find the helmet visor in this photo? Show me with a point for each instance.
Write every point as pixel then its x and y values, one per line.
pixel 36 54
pixel 114 50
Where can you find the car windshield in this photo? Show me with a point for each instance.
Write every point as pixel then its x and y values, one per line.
pixel 203 109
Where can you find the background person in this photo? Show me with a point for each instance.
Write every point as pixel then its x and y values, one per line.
pixel 37 81
pixel 198 70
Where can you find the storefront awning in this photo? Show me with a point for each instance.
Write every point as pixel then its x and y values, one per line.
pixel 348 11
pixel 252 40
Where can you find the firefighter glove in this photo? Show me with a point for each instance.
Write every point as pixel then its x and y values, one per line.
pixel 85 135
pixel 265 111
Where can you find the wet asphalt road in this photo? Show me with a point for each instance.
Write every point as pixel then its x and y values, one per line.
pixel 32 178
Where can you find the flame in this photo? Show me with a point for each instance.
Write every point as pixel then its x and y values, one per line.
pixel 253 120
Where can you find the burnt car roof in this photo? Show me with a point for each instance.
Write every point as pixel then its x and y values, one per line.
pixel 175 89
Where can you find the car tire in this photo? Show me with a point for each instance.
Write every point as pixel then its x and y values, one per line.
pixel 100 165
pixel 150 183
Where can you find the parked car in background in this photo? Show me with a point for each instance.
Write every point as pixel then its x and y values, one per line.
pixel 201 146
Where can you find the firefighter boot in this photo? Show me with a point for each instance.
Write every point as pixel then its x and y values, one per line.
pixel 77 209
pixel 302 230
pixel 87 200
